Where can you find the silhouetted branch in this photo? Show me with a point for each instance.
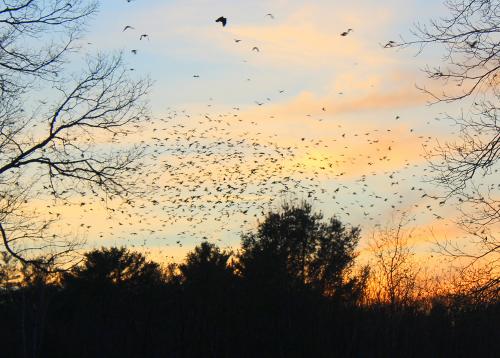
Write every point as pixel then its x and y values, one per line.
pixel 467 167
pixel 67 147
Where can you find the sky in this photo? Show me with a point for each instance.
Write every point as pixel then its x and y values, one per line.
pixel 335 120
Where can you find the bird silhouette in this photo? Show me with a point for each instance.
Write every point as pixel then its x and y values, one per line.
pixel 345 33
pixel 222 20
pixel 472 44
pixel 255 48
pixel 127 28
pixel 143 36
pixel 390 44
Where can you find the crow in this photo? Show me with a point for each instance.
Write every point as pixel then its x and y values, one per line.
pixel 222 20
pixel 345 33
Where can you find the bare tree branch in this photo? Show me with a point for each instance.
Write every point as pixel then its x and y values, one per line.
pixel 467 169
pixel 70 143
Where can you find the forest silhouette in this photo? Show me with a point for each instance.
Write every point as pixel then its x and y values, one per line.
pixel 83 153
pixel 292 290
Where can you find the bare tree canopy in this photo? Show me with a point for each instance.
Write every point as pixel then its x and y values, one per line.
pixel 394 271
pixel 470 68
pixel 58 148
pixel 470 37
pixel 468 168
pixel 26 45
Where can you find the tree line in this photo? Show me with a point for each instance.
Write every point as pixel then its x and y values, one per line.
pixel 293 289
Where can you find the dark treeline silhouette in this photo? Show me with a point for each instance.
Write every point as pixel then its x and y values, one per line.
pixel 290 291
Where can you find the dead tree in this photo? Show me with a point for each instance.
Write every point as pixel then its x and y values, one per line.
pixel 59 132
pixel 467 169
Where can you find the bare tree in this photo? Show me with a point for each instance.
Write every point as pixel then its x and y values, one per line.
pixel 393 272
pixel 65 145
pixel 467 169
pixel 27 48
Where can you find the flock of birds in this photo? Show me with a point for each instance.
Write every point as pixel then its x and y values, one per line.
pixel 211 175
pixel 223 21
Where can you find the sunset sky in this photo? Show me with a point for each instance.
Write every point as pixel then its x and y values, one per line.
pixel 339 114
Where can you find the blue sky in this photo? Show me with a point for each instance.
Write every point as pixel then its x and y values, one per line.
pixel 311 83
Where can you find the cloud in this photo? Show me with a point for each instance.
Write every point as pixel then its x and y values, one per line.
pixel 301 52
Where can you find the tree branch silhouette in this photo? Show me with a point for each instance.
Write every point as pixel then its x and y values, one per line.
pixel 465 169
pixel 62 147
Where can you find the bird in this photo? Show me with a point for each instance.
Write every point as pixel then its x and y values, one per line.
pixel 270 15
pixel 472 44
pixel 134 52
pixel 237 40
pixel 345 33
pixel 255 48
pixel 196 76
pixel 143 36
pixel 390 44
pixel 222 20
pixel 128 27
